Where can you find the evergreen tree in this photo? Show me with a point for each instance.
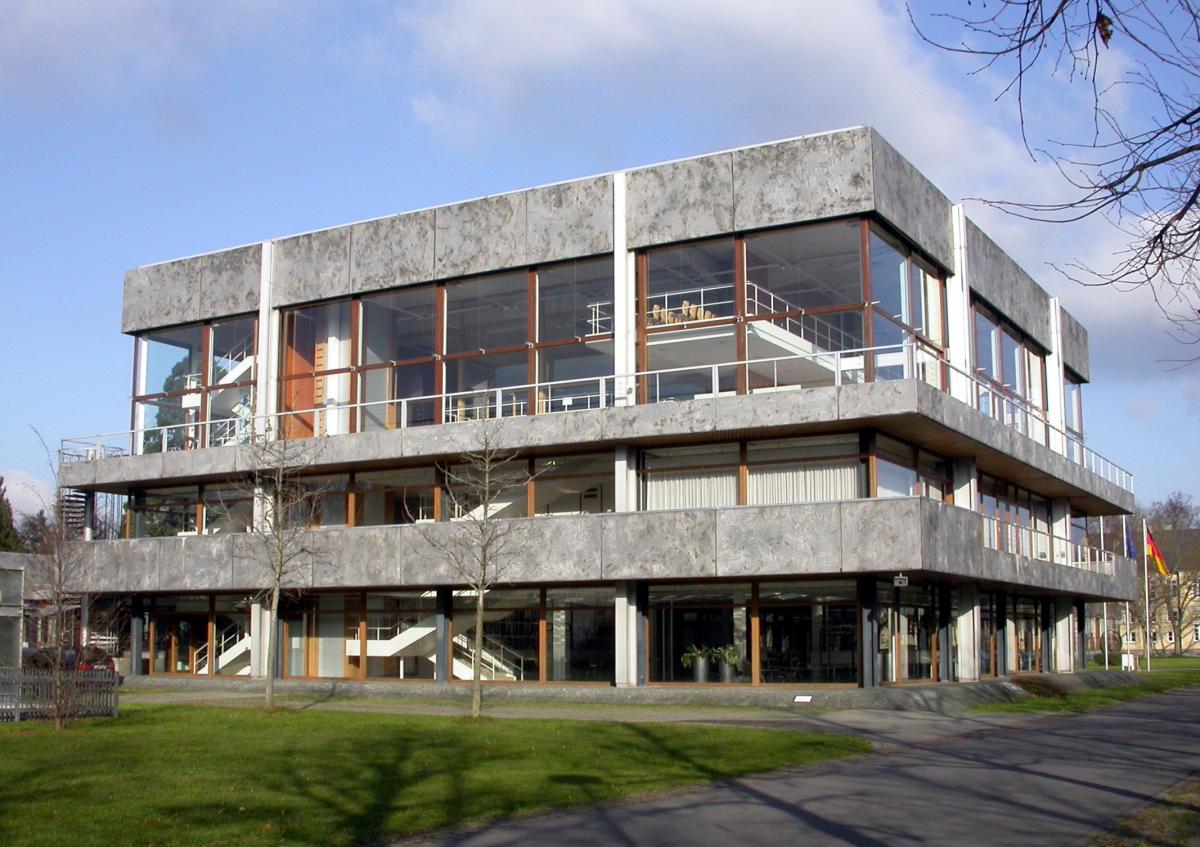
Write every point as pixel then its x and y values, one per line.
pixel 9 542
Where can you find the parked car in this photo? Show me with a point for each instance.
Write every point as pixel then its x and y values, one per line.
pixel 89 659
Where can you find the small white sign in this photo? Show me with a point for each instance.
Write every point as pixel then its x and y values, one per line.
pixel 802 698
pixel 900 581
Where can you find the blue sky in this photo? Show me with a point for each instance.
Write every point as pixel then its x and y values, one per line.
pixel 135 131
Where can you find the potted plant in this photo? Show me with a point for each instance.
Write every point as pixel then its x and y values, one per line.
pixel 696 658
pixel 730 661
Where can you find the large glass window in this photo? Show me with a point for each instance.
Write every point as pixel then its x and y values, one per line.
pixel 808 632
pixel 398 325
pixel 690 477
pixel 401 635
pixel 510 635
pixel 687 619
pixel 487 312
pixel 810 267
pixel 317 361
pixel 159 512
pixel 890 278
pixel 804 470
pixel 395 497
pixel 690 282
pixel 575 299
pixel 580 635
pixel 574 485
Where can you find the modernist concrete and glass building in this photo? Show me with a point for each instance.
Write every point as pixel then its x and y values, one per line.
pixel 786 398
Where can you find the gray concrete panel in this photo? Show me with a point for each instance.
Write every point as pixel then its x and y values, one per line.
pixel 311 267
pixel 881 535
pixel 207 560
pixel 766 540
pixel 805 179
pixel 877 399
pixel 570 220
pixel 951 540
pixel 655 545
pixel 911 203
pixel 996 277
pixel 776 409
pixel 231 282
pixel 120 469
pixel 359 557
pixel 679 201
pixel 1074 345
pixel 391 252
pixel 481 235
pixel 162 295
pixel 77 474
pixel 213 461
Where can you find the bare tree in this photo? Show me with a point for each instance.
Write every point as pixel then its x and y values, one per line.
pixel 1138 163
pixel 479 547
pixel 281 543
pixel 56 581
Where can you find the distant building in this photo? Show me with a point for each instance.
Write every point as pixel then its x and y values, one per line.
pixel 787 400
pixel 11 607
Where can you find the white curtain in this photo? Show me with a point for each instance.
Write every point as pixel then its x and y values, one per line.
pixel 691 489
pixel 806 483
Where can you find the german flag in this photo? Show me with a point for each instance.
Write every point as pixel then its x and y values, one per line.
pixel 1155 555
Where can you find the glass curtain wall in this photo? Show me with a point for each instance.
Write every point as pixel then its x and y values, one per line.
pixel 808 632
pixel 391 354
pixel 511 627
pixel 804 470
pixel 686 619
pixel 198 382
pixel 1012 370
pixel 580 635
pixel 907 633
pixel 1014 520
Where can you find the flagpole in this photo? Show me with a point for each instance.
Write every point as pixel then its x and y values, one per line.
pixel 1128 622
pixel 1146 586
pixel 1104 626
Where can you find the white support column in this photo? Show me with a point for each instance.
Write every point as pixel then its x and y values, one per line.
pixel 258 619
pixel 965 481
pixel 968 632
pixel 624 300
pixel 958 310
pixel 85 623
pixel 1055 414
pixel 626 634
pixel 625 497
pixel 1064 635
pixel 1060 529
pixel 266 385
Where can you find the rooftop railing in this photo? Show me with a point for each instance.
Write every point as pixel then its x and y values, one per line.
pixel 910 360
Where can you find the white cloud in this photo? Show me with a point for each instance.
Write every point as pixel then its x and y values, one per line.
pixel 26 493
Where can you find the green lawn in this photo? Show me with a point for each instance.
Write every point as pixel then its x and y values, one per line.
pixel 1165 674
pixel 195 775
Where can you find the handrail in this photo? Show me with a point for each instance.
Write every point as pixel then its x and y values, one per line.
pixel 909 360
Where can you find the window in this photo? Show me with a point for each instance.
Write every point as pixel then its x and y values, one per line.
pixel 690 282
pixel 195 385
pixel 1013 370
pixel 395 497
pixel 316 375
pixel 574 485
pixel 1073 404
pixel 804 268
pixel 690 477
pixel 804 470
pixel 163 512
pixel 575 299
pixel 486 313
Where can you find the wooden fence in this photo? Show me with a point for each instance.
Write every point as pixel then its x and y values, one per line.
pixel 30 694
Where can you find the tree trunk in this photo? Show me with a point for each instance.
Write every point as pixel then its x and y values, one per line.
pixel 476 660
pixel 272 648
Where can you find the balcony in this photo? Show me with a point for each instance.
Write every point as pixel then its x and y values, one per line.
pixel 844 538
pixel 772 377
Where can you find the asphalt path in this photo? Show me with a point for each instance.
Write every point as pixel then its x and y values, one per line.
pixel 1048 782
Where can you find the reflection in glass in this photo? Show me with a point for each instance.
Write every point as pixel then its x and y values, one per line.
pixel 398 325
pixel 690 282
pixel 486 312
pixel 808 267
pixel 575 299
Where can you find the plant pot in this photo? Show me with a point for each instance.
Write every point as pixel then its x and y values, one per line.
pixel 700 669
pixel 728 673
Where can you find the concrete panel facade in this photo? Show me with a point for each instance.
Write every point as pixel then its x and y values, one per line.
pixel 810 178
pixel 909 201
pixel 1074 345
pixel 311 267
pixel 391 252
pixel 997 278
pixel 569 220
pixel 823 539
pixel 679 201
pixel 480 236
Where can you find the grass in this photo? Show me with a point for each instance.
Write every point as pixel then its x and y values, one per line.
pixel 197 775
pixel 1167 674
pixel 1172 820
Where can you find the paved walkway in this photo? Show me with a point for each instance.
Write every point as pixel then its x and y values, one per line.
pixel 1050 782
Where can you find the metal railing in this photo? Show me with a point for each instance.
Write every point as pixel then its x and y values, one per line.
pixel 1040 544
pixel 35 694
pixel 910 360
